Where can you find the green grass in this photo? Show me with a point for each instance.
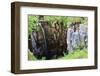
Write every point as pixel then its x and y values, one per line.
pixel 76 54
pixel 31 56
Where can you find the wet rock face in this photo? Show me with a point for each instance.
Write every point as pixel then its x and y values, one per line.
pixel 50 41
